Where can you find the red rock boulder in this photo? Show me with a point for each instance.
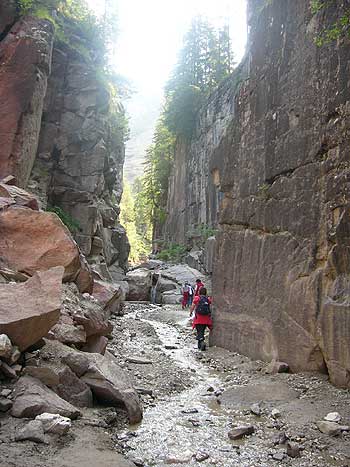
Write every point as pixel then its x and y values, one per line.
pixel 33 241
pixel 30 309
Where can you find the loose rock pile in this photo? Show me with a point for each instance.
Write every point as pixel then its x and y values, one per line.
pixel 53 336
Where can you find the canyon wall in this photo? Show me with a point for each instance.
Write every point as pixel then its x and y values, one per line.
pixel 269 167
pixel 61 136
pixel 193 196
pixel 282 270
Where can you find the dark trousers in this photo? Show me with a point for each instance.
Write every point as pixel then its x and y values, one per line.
pixel 200 328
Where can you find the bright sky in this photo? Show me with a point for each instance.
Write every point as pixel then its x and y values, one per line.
pixel 151 34
pixel 150 37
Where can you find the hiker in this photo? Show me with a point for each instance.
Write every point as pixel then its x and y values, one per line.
pixel 198 286
pixel 154 282
pixel 190 295
pixel 202 317
pixel 185 295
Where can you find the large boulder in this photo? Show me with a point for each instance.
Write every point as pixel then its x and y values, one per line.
pixel 139 284
pixel 19 196
pixel 33 241
pixel 60 379
pixel 171 297
pixel 181 273
pixel 108 382
pixel 108 295
pixel 32 398
pixel 29 310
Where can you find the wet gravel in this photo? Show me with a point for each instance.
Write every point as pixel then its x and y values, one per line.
pixel 194 399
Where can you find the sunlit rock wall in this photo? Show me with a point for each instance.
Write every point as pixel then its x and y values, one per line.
pixel 282 271
pixel 193 197
pixel 25 51
pixel 80 160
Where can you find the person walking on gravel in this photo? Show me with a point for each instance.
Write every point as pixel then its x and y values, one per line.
pixel 202 316
pixel 198 286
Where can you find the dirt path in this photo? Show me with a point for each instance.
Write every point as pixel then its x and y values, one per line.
pixel 194 399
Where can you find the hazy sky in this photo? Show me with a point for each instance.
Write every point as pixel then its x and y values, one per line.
pixel 150 38
pixel 151 32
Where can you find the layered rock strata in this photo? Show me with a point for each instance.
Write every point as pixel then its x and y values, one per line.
pixel 62 136
pixel 194 195
pixel 81 156
pixel 282 272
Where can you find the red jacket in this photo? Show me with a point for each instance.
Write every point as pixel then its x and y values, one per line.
pixel 201 319
pixel 199 285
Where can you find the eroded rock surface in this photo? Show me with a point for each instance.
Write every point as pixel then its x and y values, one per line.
pixel 281 277
pixel 29 310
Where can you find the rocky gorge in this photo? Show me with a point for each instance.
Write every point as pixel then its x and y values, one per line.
pixel 93 374
pixel 268 168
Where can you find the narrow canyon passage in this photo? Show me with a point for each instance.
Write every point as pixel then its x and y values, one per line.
pixel 194 399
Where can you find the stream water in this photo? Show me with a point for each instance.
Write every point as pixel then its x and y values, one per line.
pixel 190 423
pixel 192 426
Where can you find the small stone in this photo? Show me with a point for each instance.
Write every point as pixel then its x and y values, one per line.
pixel 329 428
pixel 332 417
pixel 277 367
pixel 256 409
pixel 189 411
pixel 210 389
pixel 194 422
pixel 5 404
pixel 280 438
pixel 139 360
pixel 54 423
pixel 5 392
pixel 7 371
pixel 275 413
pixel 278 456
pixel 240 432
pixel 15 354
pixel 293 450
pixel 5 346
pixel 201 456
pixel 33 431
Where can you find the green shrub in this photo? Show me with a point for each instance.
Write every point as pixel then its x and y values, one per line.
pixel 173 252
pixel 71 223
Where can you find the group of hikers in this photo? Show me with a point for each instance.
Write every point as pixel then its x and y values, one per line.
pixel 197 299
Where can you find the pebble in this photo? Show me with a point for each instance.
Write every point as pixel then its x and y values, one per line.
pixel 329 428
pixel 5 392
pixel 278 456
pixel 33 431
pixel 280 438
pixel 293 450
pixel 332 417
pixel 189 411
pixel 201 456
pixel 256 409
pixel 5 404
pixel 275 413
pixel 241 431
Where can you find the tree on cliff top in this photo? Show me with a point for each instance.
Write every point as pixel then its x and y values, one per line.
pixel 205 60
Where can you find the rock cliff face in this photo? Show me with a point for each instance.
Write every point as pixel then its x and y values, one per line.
pixel 80 160
pixel 282 272
pixel 58 136
pixel 277 148
pixel 193 197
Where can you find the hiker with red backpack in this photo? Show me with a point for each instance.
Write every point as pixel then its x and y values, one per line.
pixel 202 317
